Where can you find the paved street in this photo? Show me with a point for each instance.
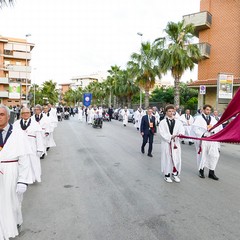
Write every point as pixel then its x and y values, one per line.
pixel 96 185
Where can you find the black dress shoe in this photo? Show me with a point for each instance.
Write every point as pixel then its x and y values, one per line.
pixel 42 157
pixel 19 228
pixel 191 143
pixel 48 148
pixel 150 155
pixel 183 142
pixel 142 150
pixel 201 173
pixel 212 175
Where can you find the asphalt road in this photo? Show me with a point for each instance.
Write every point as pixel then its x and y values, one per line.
pixel 96 185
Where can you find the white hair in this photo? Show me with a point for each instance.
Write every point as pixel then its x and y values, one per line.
pixel 38 106
pixel 6 109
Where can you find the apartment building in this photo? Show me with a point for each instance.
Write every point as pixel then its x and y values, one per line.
pixel 218 29
pixel 15 81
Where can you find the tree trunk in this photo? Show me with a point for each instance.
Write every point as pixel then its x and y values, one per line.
pixel 110 99
pixel 146 98
pixel 176 92
pixel 129 101
pixel 114 102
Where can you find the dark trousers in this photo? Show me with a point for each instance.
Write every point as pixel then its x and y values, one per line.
pixel 148 138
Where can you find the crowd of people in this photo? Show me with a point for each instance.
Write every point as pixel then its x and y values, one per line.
pixel 28 139
pixel 171 126
pixel 22 145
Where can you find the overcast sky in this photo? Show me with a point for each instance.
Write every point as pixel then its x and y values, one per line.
pixel 77 37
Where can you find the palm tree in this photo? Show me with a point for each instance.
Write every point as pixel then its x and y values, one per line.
pixel 176 52
pixel 128 86
pixel 144 68
pixel 113 80
pixel 6 3
pixel 50 92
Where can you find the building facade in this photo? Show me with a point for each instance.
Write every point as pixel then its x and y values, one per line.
pixel 15 81
pixel 218 28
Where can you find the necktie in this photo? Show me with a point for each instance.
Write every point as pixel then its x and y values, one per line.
pixel 25 123
pixel 1 138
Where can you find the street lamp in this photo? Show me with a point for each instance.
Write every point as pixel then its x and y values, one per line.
pixel 27 35
pixel 140 34
pixel 34 92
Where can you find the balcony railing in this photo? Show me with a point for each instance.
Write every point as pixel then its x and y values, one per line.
pixel 4 80
pixel 201 21
pixel 16 54
pixel 3 94
pixel 205 50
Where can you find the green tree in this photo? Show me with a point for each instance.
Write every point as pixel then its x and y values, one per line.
pixel 144 68
pixel 166 96
pixel 36 91
pixel 163 95
pixel 128 86
pixel 176 53
pixel 70 97
pixel 50 92
pixel 113 83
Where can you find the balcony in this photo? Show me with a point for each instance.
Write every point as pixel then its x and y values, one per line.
pixel 17 55
pixel 4 80
pixel 3 94
pixel 201 21
pixel 19 75
pixel 205 50
pixel 17 68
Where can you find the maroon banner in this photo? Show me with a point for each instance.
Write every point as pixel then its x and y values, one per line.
pixel 232 109
pixel 229 134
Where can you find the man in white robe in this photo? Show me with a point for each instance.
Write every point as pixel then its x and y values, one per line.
pixel 52 121
pixel 207 151
pixel 34 133
pixel 125 113
pixel 187 120
pixel 156 115
pixel 15 175
pixel 138 117
pixel 169 128
pixel 80 114
pixel 53 113
pixel 44 123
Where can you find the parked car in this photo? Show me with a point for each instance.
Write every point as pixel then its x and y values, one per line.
pixel 116 113
pixel 130 115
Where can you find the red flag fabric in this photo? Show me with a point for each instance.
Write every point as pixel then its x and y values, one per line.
pixel 232 110
pixel 229 134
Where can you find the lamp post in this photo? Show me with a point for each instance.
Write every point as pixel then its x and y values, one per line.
pixel 140 34
pixel 34 92
pixel 27 35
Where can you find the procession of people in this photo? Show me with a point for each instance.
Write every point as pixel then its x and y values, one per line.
pixel 22 145
pixel 25 142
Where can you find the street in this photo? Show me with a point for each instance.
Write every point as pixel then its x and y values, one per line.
pixel 97 185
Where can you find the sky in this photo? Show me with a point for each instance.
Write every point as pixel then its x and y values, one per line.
pixel 77 37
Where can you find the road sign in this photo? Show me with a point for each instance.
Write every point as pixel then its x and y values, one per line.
pixel 202 89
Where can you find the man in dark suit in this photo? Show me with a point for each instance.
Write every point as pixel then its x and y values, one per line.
pixel 148 129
